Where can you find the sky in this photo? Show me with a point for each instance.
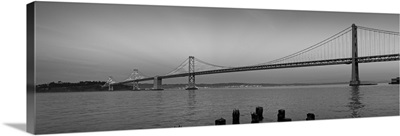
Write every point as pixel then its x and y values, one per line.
pixel 80 42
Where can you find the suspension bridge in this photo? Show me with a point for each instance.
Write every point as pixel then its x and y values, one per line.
pixel 353 45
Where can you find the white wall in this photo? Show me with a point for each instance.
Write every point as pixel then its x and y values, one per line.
pixel 13 72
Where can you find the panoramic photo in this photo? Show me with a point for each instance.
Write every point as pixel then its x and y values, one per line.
pixel 116 67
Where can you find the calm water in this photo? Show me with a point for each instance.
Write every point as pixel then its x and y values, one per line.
pixel 96 111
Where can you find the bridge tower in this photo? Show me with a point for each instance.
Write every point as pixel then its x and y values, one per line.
pixel 157 83
pixel 110 88
pixel 191 81
pixel 135 84
pixel 109 83
pixel 355 80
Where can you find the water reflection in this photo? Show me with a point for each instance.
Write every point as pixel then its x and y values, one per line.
pixel 191 98
pixel 355 104
pixel 159 103
pixel 159 98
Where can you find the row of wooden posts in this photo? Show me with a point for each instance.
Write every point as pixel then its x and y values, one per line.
pixel 257 116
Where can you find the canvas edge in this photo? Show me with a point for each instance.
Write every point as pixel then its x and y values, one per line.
pixel 211 7
pixel 31 64
pixel 30 67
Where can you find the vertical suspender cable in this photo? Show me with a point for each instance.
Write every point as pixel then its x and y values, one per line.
pixel 384 43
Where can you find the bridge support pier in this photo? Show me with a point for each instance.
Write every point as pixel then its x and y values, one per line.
pixel 110 88
pixel 355 80
pixel 157 83
pixel 191 82
pixel 135 86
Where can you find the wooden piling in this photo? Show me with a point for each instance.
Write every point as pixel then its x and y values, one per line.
pixel 310 116
pixel 220 121
pixel 281 116
pixel 254 118
pixel 259 112
pixel 235 116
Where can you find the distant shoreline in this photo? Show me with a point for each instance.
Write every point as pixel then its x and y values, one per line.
pixel 96 86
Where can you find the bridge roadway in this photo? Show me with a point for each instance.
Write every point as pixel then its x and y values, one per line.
pixel 365 59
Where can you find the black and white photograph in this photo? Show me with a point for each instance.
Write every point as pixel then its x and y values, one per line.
pixel 102 67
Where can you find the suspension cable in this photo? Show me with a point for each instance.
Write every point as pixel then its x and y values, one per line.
pixel 333 37
pixel 179 67
pixel 210 63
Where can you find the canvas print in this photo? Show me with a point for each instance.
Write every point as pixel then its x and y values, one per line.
pixel 99 67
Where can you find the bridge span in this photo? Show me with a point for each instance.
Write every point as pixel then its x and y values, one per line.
pixel 353 45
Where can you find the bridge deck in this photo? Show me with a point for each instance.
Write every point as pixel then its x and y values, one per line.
pixel 366 59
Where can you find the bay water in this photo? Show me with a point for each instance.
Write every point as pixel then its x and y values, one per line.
pixel 119 110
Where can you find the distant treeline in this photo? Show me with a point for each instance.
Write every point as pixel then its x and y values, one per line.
pixel 71 87
pixel 69 84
